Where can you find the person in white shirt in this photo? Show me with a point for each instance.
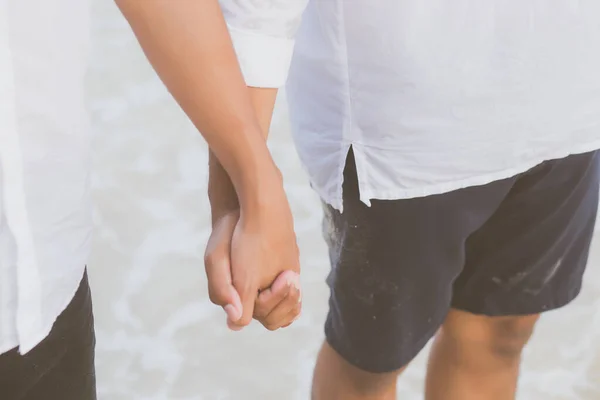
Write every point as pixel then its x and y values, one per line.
pixel 46 323
pixel 454 145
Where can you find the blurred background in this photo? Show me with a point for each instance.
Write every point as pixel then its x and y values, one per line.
pixel 159 337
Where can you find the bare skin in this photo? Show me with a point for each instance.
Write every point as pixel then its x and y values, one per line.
pixel 473 358
pixel 477 357
pixel 276 306
pixel 336 379
pixel 251 248
pixel 188 44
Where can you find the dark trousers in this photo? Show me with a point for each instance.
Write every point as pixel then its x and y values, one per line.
pixel 61 367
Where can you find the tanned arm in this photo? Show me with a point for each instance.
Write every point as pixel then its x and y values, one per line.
pixel 221 192
pixel 189 46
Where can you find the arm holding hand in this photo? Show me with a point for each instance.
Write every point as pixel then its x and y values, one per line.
pixel 278 305
pixel 189 45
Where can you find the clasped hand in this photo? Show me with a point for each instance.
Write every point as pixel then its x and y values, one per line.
pixel 252 266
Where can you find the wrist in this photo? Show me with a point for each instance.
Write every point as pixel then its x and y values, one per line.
pixel 221 206
pixel 258 180
pixel 267 189
pixel 249 168
pixel 221 193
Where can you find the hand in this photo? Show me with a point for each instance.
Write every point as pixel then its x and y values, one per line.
pixel 275 307
pixel 263 246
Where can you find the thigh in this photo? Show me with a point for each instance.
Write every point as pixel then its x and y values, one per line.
pixel 393 266
pixel 531 255
pixel 61 367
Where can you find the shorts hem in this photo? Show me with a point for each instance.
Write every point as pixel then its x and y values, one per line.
pixel 389 366
pixel 519 306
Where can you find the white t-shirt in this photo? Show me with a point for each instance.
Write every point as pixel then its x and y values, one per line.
pixel 432 95
pixel 45 208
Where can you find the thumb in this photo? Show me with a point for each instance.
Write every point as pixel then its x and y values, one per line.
pixel 234 308
pixel 218 269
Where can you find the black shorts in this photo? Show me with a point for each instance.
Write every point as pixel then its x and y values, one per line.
pixel 513 247
pixel 61 367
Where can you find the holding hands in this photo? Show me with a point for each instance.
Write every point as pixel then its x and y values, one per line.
pixel 254 272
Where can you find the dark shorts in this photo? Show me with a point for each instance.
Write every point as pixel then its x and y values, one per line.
pixel 61 367
pixel 513 247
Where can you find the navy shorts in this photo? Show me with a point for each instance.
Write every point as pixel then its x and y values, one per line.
pixel 517 246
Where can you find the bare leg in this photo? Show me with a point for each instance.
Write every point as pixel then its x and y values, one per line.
pixel 336 379
pixel 477 357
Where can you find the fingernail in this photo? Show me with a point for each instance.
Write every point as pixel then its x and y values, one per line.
pixel 232 313
pixel 233 326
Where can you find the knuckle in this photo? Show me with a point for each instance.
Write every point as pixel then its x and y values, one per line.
pixel 259 313
pixel 245 320
pixel 290 304
pixel 214 258
pixel 209 259
pixel 270 326
pixel 216 297
pixel 293 297
pixel 297 310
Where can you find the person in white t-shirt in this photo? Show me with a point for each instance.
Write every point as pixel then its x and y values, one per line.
pixel 454 146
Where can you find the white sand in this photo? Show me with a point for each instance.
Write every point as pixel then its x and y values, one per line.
pixel 159 337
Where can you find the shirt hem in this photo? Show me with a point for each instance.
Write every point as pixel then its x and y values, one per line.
pixel 368 193
pixel 8 347
pixel 32 342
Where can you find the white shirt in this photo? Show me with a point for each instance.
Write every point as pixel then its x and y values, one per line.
pixel 45 209
pixel 432 95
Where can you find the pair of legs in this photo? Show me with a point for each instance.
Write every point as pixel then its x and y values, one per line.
pixel 475 268
pixel 472 358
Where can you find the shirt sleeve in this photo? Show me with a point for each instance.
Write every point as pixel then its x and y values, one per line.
pixel 263 37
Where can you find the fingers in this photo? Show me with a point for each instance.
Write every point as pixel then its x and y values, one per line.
pixel 294 316
pixel 269 298
pixel 220 290
pixel 277 306
pixel 248 296
pixel 284 312
pixel 218 269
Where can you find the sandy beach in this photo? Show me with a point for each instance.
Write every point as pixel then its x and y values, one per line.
pixel 159 337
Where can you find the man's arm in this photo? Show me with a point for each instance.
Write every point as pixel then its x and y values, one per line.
pixel 189 47
pixel 262 31
pixel 280 304
pixel 263 34
pixel 221 192
pixel 188 44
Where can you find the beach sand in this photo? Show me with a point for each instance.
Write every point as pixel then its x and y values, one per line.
pixel 159 337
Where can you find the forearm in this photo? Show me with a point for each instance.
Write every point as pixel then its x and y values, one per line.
pixel 188 44
pixel 221 192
